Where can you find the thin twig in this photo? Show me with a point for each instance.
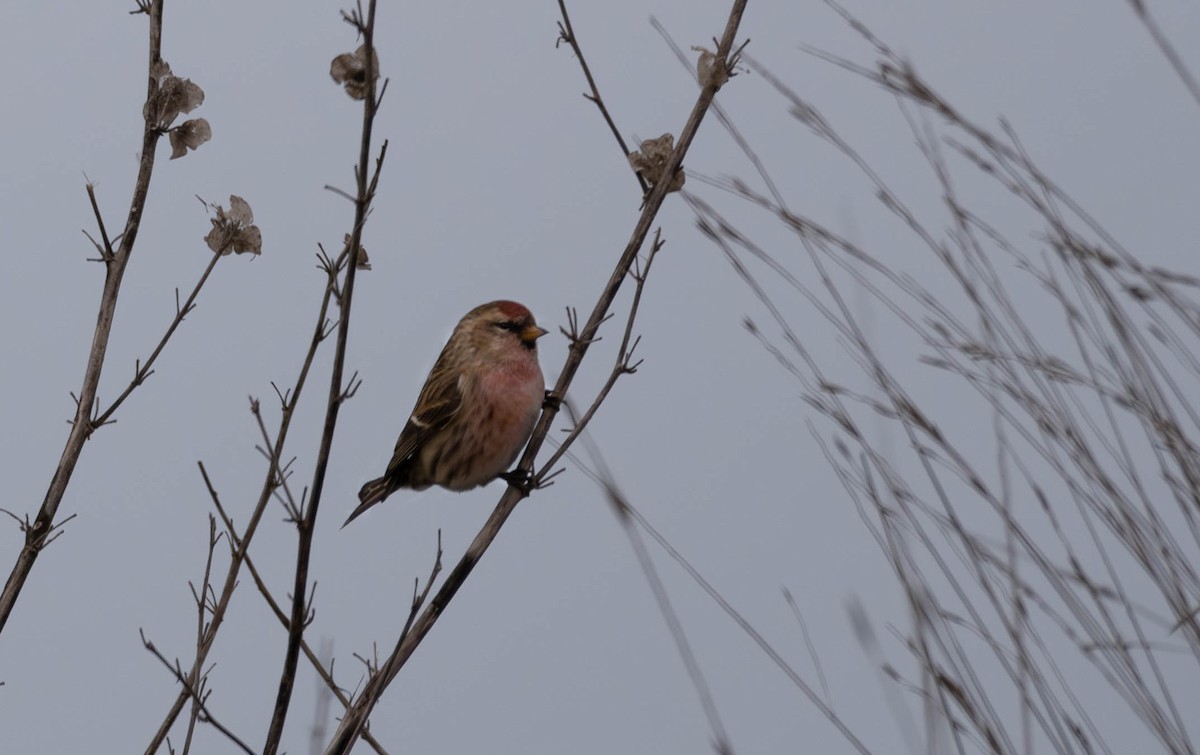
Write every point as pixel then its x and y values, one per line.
pixel 145 369
pixel 202 608
pixel 106 251
pixel 196 695
pixel 566 33
pixel 808 644
pixel 1168 50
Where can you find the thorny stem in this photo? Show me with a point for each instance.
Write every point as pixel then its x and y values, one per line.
pixel 355 716
pixel 82 427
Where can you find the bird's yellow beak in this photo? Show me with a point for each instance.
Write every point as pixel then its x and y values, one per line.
pixel 531 333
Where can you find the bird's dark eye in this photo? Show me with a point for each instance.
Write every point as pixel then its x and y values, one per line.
pixel 508 325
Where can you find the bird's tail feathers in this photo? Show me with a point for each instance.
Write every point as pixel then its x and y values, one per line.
pixel 370 494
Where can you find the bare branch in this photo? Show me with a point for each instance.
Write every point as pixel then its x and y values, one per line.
pixel 344 737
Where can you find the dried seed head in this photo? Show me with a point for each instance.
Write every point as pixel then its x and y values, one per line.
pixel 651 161
pixel 233 230
pixel 710 70
pixel 350 70
pixel 362 262
pixel 189 135
pixel 175 96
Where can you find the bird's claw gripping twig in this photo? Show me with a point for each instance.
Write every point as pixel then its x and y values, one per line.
pixel 520 479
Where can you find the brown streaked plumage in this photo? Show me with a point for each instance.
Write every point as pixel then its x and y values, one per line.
pixel 476 410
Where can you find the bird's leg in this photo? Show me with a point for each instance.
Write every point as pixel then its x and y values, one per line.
pixel 552 401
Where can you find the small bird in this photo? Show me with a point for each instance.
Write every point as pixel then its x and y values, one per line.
pixel 476 410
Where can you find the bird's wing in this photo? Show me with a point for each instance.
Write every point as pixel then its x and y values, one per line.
pixel 439 401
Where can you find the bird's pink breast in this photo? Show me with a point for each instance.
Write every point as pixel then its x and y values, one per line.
pixel 513 393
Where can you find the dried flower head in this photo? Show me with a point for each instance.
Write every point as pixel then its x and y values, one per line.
pixel 189 135
pixel 651 161
pixel 362 262
pixel 233 230
pixel 710 70
pixel 350 70
pixel 174 96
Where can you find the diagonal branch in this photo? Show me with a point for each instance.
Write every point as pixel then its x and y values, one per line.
pixel 344 738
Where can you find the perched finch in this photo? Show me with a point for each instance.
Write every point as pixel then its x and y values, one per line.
pixel 477 408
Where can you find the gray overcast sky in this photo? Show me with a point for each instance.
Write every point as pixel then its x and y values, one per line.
pixel 501 181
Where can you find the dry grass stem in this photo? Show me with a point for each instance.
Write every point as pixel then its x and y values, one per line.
pixel 1079 529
